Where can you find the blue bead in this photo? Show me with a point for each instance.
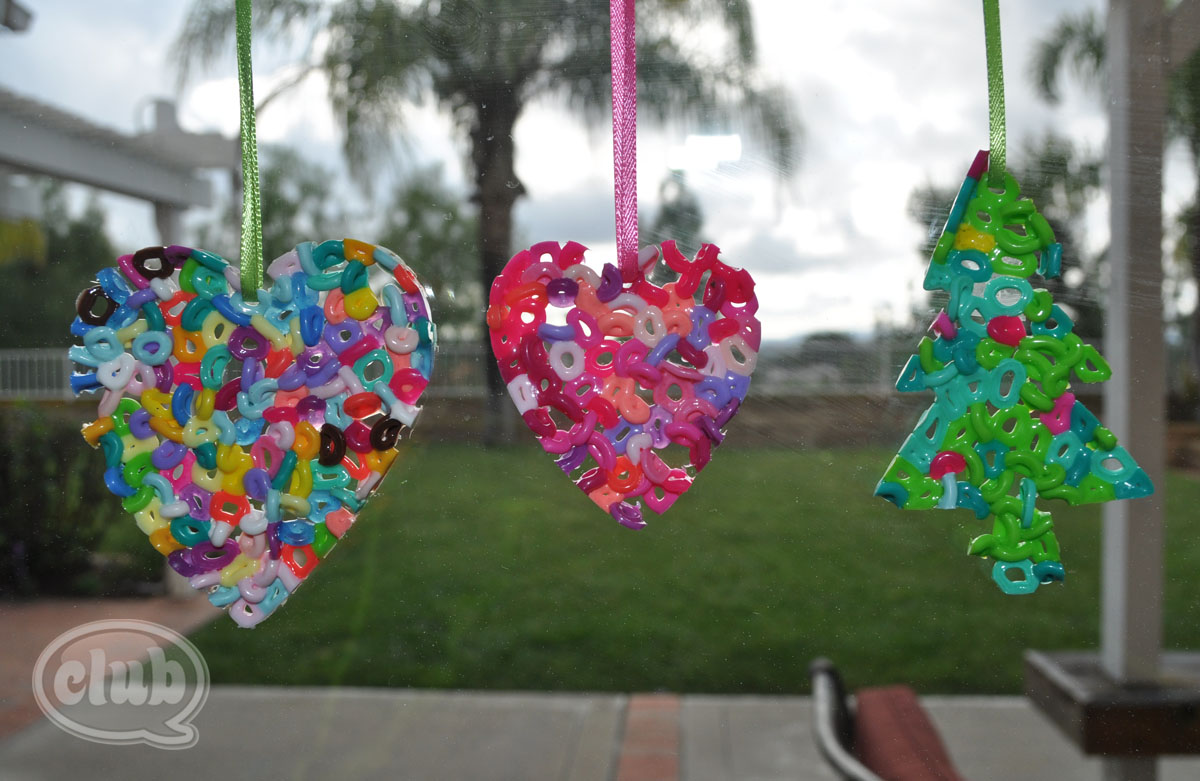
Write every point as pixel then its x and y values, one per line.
pixel 1135 486
pixel 893 492
pixel 937 277
pixel 141 347
pixel 1083 422
pixel 248 430
pixel 83 356
pixel 83 381
pixel 999 449
pixel 912 376
pixel 321 503
pixel 206 455
pixel 960 205
pixel 1050 265
pixel 116 482
pixel 1027 585
pixel 348 499
pixel 113 283
pixel 223 596
pixel 229 311
pixel 1078 470
pixel 80 328
pixel 1049 571
pixel 328 253
pixel 660 351
pixel 304 251
pixel 971 498
pixel 970 264
pixel 1062 323
pixel 296 533
pixel 312 325
pixel 181 403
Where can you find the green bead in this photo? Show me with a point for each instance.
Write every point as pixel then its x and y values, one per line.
pixel 284 475
pixel 323 540
pixel 206 455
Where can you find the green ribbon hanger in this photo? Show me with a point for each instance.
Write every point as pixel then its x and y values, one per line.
pixel 995 72
pixel 252 250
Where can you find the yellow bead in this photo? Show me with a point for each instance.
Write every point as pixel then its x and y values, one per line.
pixel 361 304
pixel 241 567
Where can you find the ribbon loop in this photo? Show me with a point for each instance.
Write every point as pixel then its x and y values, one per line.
pixel 995 70
pixel 251 260
pixel 624 112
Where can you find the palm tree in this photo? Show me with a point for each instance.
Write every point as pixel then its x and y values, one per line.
pixel 484 62
pixel 1077 42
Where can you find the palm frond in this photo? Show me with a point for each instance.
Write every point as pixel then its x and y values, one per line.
pixel 208 30
pixel 1077 42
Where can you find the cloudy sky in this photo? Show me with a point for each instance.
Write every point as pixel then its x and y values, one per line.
pixel 892 95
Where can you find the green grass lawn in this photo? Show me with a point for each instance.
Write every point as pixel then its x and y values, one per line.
pixel 487 570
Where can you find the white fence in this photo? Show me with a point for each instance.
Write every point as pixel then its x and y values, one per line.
pixel 35 375
pixel 44 374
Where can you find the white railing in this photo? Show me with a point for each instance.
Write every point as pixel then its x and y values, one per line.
pixel 44 375
pixel 35 375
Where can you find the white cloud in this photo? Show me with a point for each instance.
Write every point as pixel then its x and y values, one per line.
pixel 892 95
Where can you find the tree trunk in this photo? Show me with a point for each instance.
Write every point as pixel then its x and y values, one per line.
pixel 1194 257
pixel 497 189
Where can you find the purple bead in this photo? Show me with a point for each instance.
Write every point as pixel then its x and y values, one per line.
pixel 610 284
pixel 168 455
pixel 139 424
pixel 274 546
pixel 141 297
pixel 334 338
pixel 311 407
pixel 414 307
pixel 314 360
pixel 572 459
pixel 324 374
pixel 292 378
pixel 619 435
pixel 243 335
pixel 627 515
pixel 198 501
pixel 163 376
pixel 257 483
pixel 182 563
pixel 710 428
pixel 200 559
pixel 728 411
pixel 177 255
pixel 555 333
pixel 252 372
pixel 562 291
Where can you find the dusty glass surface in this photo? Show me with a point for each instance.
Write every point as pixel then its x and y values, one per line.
pixel 479 566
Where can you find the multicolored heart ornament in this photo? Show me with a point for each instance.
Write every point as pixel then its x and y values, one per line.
pixel 245 437
pixel 609 370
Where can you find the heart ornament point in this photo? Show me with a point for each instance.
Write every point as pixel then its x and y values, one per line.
pixel 246 436
pixel 613 372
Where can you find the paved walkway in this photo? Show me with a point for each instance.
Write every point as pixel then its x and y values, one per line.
pixel 348 734
pixel 28 627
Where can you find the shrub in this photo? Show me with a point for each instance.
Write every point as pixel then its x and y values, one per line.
pixel 55 511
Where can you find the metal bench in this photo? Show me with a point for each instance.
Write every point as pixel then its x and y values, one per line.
pixel 885 735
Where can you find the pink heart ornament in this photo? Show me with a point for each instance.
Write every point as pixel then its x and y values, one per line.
pixel 610 370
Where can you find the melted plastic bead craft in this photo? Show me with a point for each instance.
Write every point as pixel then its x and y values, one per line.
pixel 245 437
pixel 1005 427
pixel 609 370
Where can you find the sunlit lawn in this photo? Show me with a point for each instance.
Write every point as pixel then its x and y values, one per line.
pixel 487 570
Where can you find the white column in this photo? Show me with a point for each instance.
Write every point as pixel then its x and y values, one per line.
pixel 1135 397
